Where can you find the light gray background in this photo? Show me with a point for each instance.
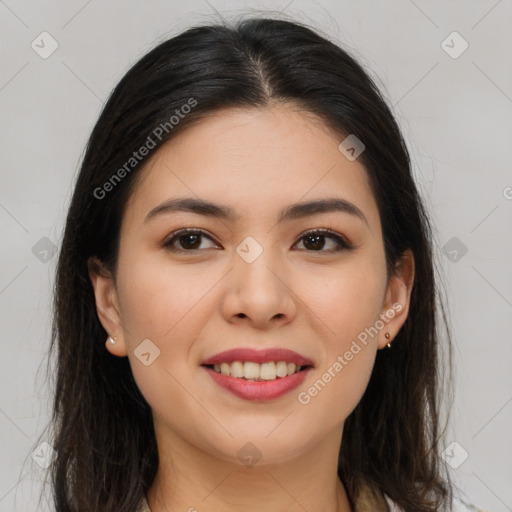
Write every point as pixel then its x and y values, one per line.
pixel 455 114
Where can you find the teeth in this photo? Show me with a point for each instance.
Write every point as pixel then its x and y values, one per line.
pixel 255 371
pixel 251 370
pixel 268 371
pixel 237 369
pixel 282 369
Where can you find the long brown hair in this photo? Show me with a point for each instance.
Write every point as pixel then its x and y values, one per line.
pixel 392 439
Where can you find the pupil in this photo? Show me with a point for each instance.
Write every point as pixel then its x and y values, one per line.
pixel 188 239
pixel 316 239
pixel 311 241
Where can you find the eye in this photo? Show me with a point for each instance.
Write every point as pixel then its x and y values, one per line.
pixel 189 240
pixel 314 241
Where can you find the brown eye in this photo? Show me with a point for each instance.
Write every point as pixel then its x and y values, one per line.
pixel 314 241
pixel 188 240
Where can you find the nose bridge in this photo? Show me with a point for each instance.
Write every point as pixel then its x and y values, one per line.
pixel 258 284
pixel 257 267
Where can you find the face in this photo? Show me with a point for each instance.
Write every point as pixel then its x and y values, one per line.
pixel 255 275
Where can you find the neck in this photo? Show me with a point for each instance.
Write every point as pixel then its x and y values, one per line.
pixel 190 479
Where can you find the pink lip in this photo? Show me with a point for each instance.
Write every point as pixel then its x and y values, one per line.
pixel 258 356
pixel 258 390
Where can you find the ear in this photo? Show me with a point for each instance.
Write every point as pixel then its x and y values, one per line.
pixel 397 300
pixel 107 305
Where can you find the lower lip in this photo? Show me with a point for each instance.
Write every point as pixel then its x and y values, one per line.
pixel 258 390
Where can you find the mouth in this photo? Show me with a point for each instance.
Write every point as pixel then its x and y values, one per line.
pixel 258 374
pixel 250 370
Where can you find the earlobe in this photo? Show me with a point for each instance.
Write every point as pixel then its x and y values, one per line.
pixel 398 295
pixel 107 306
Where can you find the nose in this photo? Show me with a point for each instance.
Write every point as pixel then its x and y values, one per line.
pixel 258 293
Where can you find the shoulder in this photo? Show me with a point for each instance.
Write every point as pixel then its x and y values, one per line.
pixel 368 500
pixel 143 506
pixel 459 505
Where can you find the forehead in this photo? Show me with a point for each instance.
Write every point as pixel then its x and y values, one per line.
pixel 254 161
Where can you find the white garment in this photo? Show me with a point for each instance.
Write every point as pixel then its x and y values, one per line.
pixel 458 506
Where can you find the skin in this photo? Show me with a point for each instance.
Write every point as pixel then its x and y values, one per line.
pixel 194 304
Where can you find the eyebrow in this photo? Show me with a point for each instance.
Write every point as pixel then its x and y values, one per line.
pixel 292 212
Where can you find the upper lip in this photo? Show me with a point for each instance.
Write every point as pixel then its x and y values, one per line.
pixel 258 356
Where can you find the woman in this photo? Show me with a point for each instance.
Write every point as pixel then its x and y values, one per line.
pixel 245 302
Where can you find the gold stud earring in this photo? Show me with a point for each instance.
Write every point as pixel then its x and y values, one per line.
pixel 387 336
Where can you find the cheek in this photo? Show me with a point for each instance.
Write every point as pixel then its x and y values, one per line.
pixel 337 389
pixel 157 297
pixel 167 304
pixel 349 304
pixel 350 307
pixel 347 299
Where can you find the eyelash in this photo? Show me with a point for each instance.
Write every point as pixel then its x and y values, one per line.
pixel 343 244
